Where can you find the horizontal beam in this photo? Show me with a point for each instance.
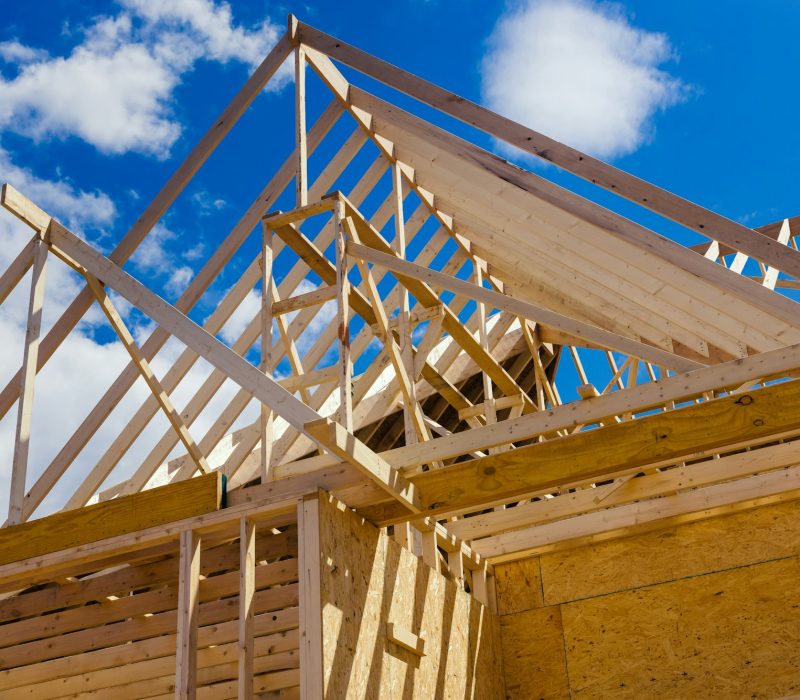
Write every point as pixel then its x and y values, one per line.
pixel 652 485
pixel 676 388
pixel 684 212
pixel 119 516
pixel 635 518
pixel 281 218
pixel 602 453
pixel 518 307
pixel 303 301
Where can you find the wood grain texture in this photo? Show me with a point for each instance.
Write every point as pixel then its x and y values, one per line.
pixel 604 452
pixel 678 552
pixel 369 580
pixel 111 518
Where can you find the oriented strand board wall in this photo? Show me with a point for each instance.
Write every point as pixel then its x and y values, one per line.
pixel 368 580
pixel 707 609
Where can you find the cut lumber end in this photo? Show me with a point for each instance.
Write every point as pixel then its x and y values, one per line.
pixel 406 639
pixel 292 23
pixel 587 391
pixel 24 209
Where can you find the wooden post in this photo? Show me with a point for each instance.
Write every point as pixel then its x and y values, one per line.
pixel 489 411
pixel 311 681
pixel 343 320
pixel 268 292
pixel 301 178
pixel 19 468
pixel 247 585
pixel 430 551
pixel 188 590
pixel 404 321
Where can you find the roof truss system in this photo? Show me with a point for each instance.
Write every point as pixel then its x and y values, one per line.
pixel 444 339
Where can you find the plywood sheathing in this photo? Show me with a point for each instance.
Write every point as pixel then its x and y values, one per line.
pixel 706 609
pixel 367 581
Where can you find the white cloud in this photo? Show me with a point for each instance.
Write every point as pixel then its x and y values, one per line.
pixel 13 51
pixel 179 279
pixel 213 25
pixel 74 207
pixel 579 72
pixel 115 88
pixel 152 255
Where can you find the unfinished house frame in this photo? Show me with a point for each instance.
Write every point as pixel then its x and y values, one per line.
pixel 506 443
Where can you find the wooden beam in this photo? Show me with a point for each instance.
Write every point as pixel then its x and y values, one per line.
pixel 620 228
pixel 342 443
pixel 301 213
pixel 146 371
pixel 22 436
pixel 655 485
pixel 70 248
pixel 690 506
pixel 675 388
pixel 518 307
pixel 343 321
pixel 602 453
pixel 308 543
pixel 112 518
pixel 17 269
pixel 188 608
pixel 155 210
pixel 301 175
pixel 268 292
pixel 315 259
pixel 411 405
pixel 247 586
pixel 304 301
pixel 650 196
pixel 427 297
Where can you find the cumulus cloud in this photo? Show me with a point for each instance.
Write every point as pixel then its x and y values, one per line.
pixel 13 51
pixel 74 207
pixel 115 88
pixel 579 72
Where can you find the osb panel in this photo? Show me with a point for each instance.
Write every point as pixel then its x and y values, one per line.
pixel 720 543
pixel 519 586
pixel 733 634
pixel 368 580
pixel 533 655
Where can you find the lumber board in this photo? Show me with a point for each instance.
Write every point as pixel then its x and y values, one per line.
pixel 120 516
pixel 603 452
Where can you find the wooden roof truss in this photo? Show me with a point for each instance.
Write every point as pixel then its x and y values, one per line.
pixel 500 363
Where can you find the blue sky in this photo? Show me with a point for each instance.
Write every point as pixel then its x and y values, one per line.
pixel 100 101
